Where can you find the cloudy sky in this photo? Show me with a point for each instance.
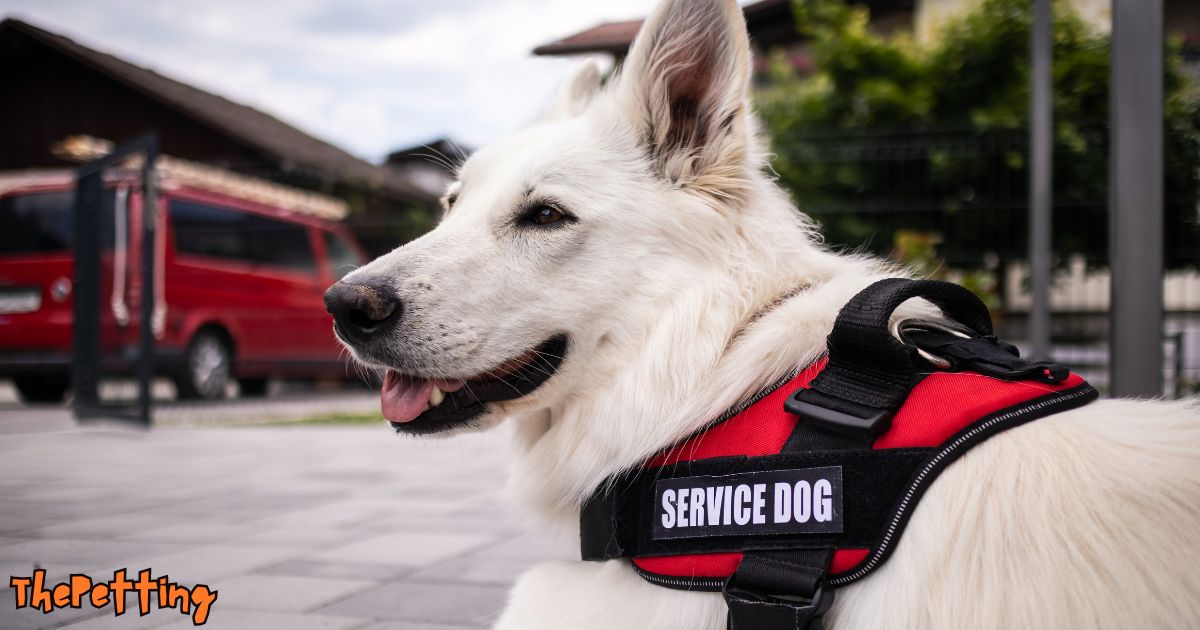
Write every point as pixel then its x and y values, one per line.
pixel 367 75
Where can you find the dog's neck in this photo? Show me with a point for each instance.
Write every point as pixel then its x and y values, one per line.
pixel 718 341
pixel 776 303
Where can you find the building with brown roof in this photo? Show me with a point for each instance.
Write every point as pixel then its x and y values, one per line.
pixel 59 88
pixel 772 26
pixel 771 23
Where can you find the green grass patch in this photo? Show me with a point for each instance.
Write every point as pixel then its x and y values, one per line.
pixel 333 419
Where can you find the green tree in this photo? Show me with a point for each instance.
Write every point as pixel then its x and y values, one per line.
pixel 890 135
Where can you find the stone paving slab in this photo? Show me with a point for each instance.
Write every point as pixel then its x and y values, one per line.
pixel 337 570
pixel 300 536
pixel 245 619
pixel 404 625
pixel 169 411
pixel 104 527
pixel 209 564
pixel 462 604
pixel 294 526
pixel 405 549
pixel 19 523
pixel 26 619
pixel 279 593
pixel 131 620
pixel 62 556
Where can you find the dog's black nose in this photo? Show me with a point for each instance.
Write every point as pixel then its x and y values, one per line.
pixel 362 308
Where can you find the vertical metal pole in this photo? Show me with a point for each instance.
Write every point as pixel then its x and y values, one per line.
pixel 1041 177
pixel 1136 198
pixel 85 360
pixel 146 324
pixel 85 314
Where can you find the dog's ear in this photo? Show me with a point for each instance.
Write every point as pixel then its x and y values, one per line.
pixel 576 93
pixel 686 84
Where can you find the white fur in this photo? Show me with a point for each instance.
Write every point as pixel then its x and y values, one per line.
pixel 665 285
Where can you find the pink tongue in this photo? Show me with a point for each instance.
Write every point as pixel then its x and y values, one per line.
pixel 403 398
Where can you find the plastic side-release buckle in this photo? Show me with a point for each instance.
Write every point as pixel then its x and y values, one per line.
pixel 779 590
pixel 752 611
pixel 867 421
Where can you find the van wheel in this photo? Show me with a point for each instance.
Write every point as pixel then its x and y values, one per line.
pixel 42 388
pixel 252 386
pixel 207 369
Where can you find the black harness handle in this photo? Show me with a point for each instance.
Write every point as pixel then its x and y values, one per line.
pixel 871 372
pixel 867 364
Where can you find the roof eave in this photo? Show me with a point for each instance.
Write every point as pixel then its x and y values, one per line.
pixel 550 50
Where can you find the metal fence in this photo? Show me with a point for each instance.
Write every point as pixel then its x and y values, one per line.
pixel 954 203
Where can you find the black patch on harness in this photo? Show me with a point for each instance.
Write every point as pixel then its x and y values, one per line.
pixel 800 501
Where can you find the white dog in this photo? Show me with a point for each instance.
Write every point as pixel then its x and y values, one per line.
pixel 633 242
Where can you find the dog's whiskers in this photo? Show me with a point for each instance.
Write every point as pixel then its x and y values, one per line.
pixel 467 387
pixel 501 379
pixel 547 371
pixel 549 354
pixel 443 160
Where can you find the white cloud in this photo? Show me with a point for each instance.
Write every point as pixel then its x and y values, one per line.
pixel 368 75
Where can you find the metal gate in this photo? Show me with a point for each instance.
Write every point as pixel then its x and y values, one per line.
pixel 86 325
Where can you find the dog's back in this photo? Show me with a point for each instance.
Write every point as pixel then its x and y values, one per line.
pixel 1086 519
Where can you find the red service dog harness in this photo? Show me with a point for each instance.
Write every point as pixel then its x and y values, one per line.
pixel 807 486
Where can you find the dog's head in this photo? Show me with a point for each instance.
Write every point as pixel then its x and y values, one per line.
pixel 558 241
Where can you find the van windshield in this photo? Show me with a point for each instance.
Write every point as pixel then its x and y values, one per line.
pixel 42 222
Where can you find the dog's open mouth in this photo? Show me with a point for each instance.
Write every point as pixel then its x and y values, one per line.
pixel 418 405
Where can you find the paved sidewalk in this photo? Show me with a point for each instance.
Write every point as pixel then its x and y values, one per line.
pixel 296 527
pixel 297 404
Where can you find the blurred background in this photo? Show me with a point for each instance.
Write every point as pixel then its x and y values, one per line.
pixel 310 137
pixel 297 140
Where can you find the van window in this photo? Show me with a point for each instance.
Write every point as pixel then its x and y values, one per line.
pixel 342 257
pixel 42 222
pixel 206 230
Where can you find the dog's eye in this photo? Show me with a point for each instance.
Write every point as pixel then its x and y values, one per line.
pixel 543 214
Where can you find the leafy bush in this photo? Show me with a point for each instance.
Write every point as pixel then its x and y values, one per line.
pixel 891 135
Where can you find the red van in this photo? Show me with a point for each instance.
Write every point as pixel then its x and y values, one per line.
pixel 241 266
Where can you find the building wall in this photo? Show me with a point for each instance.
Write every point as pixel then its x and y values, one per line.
pixel 932 15
pixel 56 96
pixel 1182 17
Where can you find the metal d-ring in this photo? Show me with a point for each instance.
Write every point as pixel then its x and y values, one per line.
pixel 899 329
